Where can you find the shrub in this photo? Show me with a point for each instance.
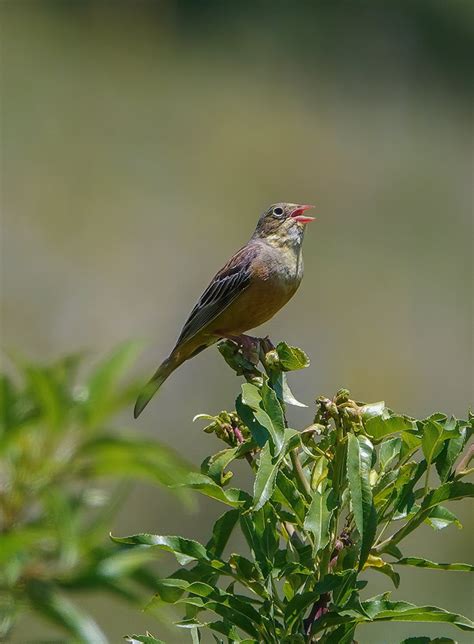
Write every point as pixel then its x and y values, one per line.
pixel 328 503
pixel 63 476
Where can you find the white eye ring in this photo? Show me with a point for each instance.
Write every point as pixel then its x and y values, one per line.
pixel 278 211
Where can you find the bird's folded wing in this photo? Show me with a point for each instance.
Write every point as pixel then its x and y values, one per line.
pixel 225 287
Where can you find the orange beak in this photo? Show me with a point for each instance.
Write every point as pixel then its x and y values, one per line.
pixel 300 217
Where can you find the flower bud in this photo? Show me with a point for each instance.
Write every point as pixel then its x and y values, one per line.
pixel 342 396
pixel 272 359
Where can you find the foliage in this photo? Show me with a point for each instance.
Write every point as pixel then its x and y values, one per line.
pixel 64 472
pixel 328 503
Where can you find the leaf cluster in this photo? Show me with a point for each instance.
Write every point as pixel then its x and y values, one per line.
pixel 328 503
pixel 64 473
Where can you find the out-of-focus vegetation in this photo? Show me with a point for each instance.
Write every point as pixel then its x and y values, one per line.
pixel 65 470
pixel 328 503
pixel 140 142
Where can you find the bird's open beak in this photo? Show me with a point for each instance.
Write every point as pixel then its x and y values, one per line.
pixel 300 217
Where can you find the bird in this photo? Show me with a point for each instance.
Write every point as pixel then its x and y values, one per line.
pixel 256 282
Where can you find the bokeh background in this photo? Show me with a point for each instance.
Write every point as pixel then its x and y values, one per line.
pixel 141 140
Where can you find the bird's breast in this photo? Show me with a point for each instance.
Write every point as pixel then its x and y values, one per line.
pixel 284 268
pixel 276 276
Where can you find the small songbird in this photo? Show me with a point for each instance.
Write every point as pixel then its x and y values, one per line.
pixel 254 284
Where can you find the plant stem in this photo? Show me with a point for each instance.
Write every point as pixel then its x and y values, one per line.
pixel 303 482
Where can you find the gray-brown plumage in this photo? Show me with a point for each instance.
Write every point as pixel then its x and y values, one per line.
pixel 254 284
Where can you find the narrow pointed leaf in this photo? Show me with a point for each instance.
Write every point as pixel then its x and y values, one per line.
pixel 377 563
pixel 389 451
pixel 447 492
pixel 296 608
pixel 143 639
pixel 265 478
pixel 387 611
pixel 440 517
pixel 247 416
pixel 185 550
pixel 418 562
pixel 221 532
pixel 266 411
pixel 450 452
pixel 428 640
pixel 318 518
pixel 205 485
pixel 291 495
pixel 359 461
pixel 379 427
pixel 432 441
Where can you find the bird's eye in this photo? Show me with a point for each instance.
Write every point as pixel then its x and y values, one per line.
pixel 278 211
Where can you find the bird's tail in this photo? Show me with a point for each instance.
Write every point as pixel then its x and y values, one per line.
pixel 150 389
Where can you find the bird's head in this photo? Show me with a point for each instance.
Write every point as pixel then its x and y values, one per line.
pixel 283 223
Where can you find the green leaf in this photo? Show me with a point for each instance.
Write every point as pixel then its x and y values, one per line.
pixel 215 465
pixel 265 478
pixel 247 416
pixel 377 563
pixel 226 629
pixel 318 518
pixel 447 492
pixel 431 441
pixel 372 409
pixel 143 639
pixel 297 606
pixel 283 391
pixel 259 530
pixel 392 550
pixel 379 427
pixel 344 634
pixel 359 462
pixel 428 640
pixel 205 485
pixel 405 498
pixel 267 412
pixel 425 563
pixel 221 532
pixel 387 611
pixel 440 517
pixel 59 610
pixel 289 494
pixel 102 385
pixel 235 609
pixel 291 358
pixel 448 455
pixel 185 550
pixel 434 435
pixel 394 482
pixel 319 473
pixel 268 467
pixel 411 441
pixel 389 450
pixel 273 408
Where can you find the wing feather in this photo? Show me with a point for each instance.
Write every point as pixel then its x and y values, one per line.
pixel 224 288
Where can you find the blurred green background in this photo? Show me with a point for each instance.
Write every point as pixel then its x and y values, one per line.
pixel 141 140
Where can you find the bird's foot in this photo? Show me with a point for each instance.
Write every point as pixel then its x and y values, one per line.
pixel 249 346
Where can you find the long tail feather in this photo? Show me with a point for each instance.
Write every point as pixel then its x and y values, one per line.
pixel 150 389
